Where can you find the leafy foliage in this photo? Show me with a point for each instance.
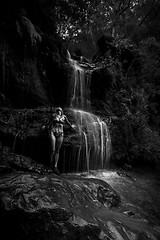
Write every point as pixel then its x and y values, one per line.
pixel 132 103
pixel 134 19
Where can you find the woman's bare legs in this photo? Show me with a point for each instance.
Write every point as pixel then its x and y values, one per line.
pixel 53 146
pixel 59 141
pixel 56 143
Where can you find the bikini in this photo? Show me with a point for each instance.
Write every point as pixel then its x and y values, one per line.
pixel 56 129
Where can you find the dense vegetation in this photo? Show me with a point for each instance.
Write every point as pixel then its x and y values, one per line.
pixel 42 31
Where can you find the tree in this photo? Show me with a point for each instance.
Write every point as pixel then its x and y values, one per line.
pixel 118 18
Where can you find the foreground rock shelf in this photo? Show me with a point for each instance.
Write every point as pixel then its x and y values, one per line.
pixel 35 204
pixel 46 206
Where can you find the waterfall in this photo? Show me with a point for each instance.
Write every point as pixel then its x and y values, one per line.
pixel 94 140
pixel 79 86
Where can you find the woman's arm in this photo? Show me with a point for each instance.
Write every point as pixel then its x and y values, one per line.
pixel 67 121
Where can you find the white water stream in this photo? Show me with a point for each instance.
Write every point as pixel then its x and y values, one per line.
pixel 94 138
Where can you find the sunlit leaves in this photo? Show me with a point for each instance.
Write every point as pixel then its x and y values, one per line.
pixel 119 18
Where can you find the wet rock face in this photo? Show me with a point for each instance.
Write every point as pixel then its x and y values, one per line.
pixel 36 206
pixel 11 162
pixel 31 63
pixel 46 207
pixel 101 81
pixel 31 81
pixel 106 195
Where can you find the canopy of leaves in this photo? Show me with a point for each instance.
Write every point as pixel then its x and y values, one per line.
pixel 135 19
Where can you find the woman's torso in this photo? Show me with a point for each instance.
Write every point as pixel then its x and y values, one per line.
pixel 57 124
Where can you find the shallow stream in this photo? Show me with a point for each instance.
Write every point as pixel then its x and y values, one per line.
pixel 139 210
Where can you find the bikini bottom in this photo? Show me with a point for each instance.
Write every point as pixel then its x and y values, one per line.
pixel 58 134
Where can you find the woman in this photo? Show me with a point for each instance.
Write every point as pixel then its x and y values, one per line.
pixel 55 127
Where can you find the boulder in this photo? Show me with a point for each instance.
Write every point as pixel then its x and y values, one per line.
pixel 48 207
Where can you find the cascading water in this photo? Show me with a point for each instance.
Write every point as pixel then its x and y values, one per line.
pixel 93 151
pixel 78 87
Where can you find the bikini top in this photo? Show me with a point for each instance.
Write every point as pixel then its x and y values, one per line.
pixel 59 119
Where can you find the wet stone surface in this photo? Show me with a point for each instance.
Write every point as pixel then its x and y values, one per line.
pixel 73 206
